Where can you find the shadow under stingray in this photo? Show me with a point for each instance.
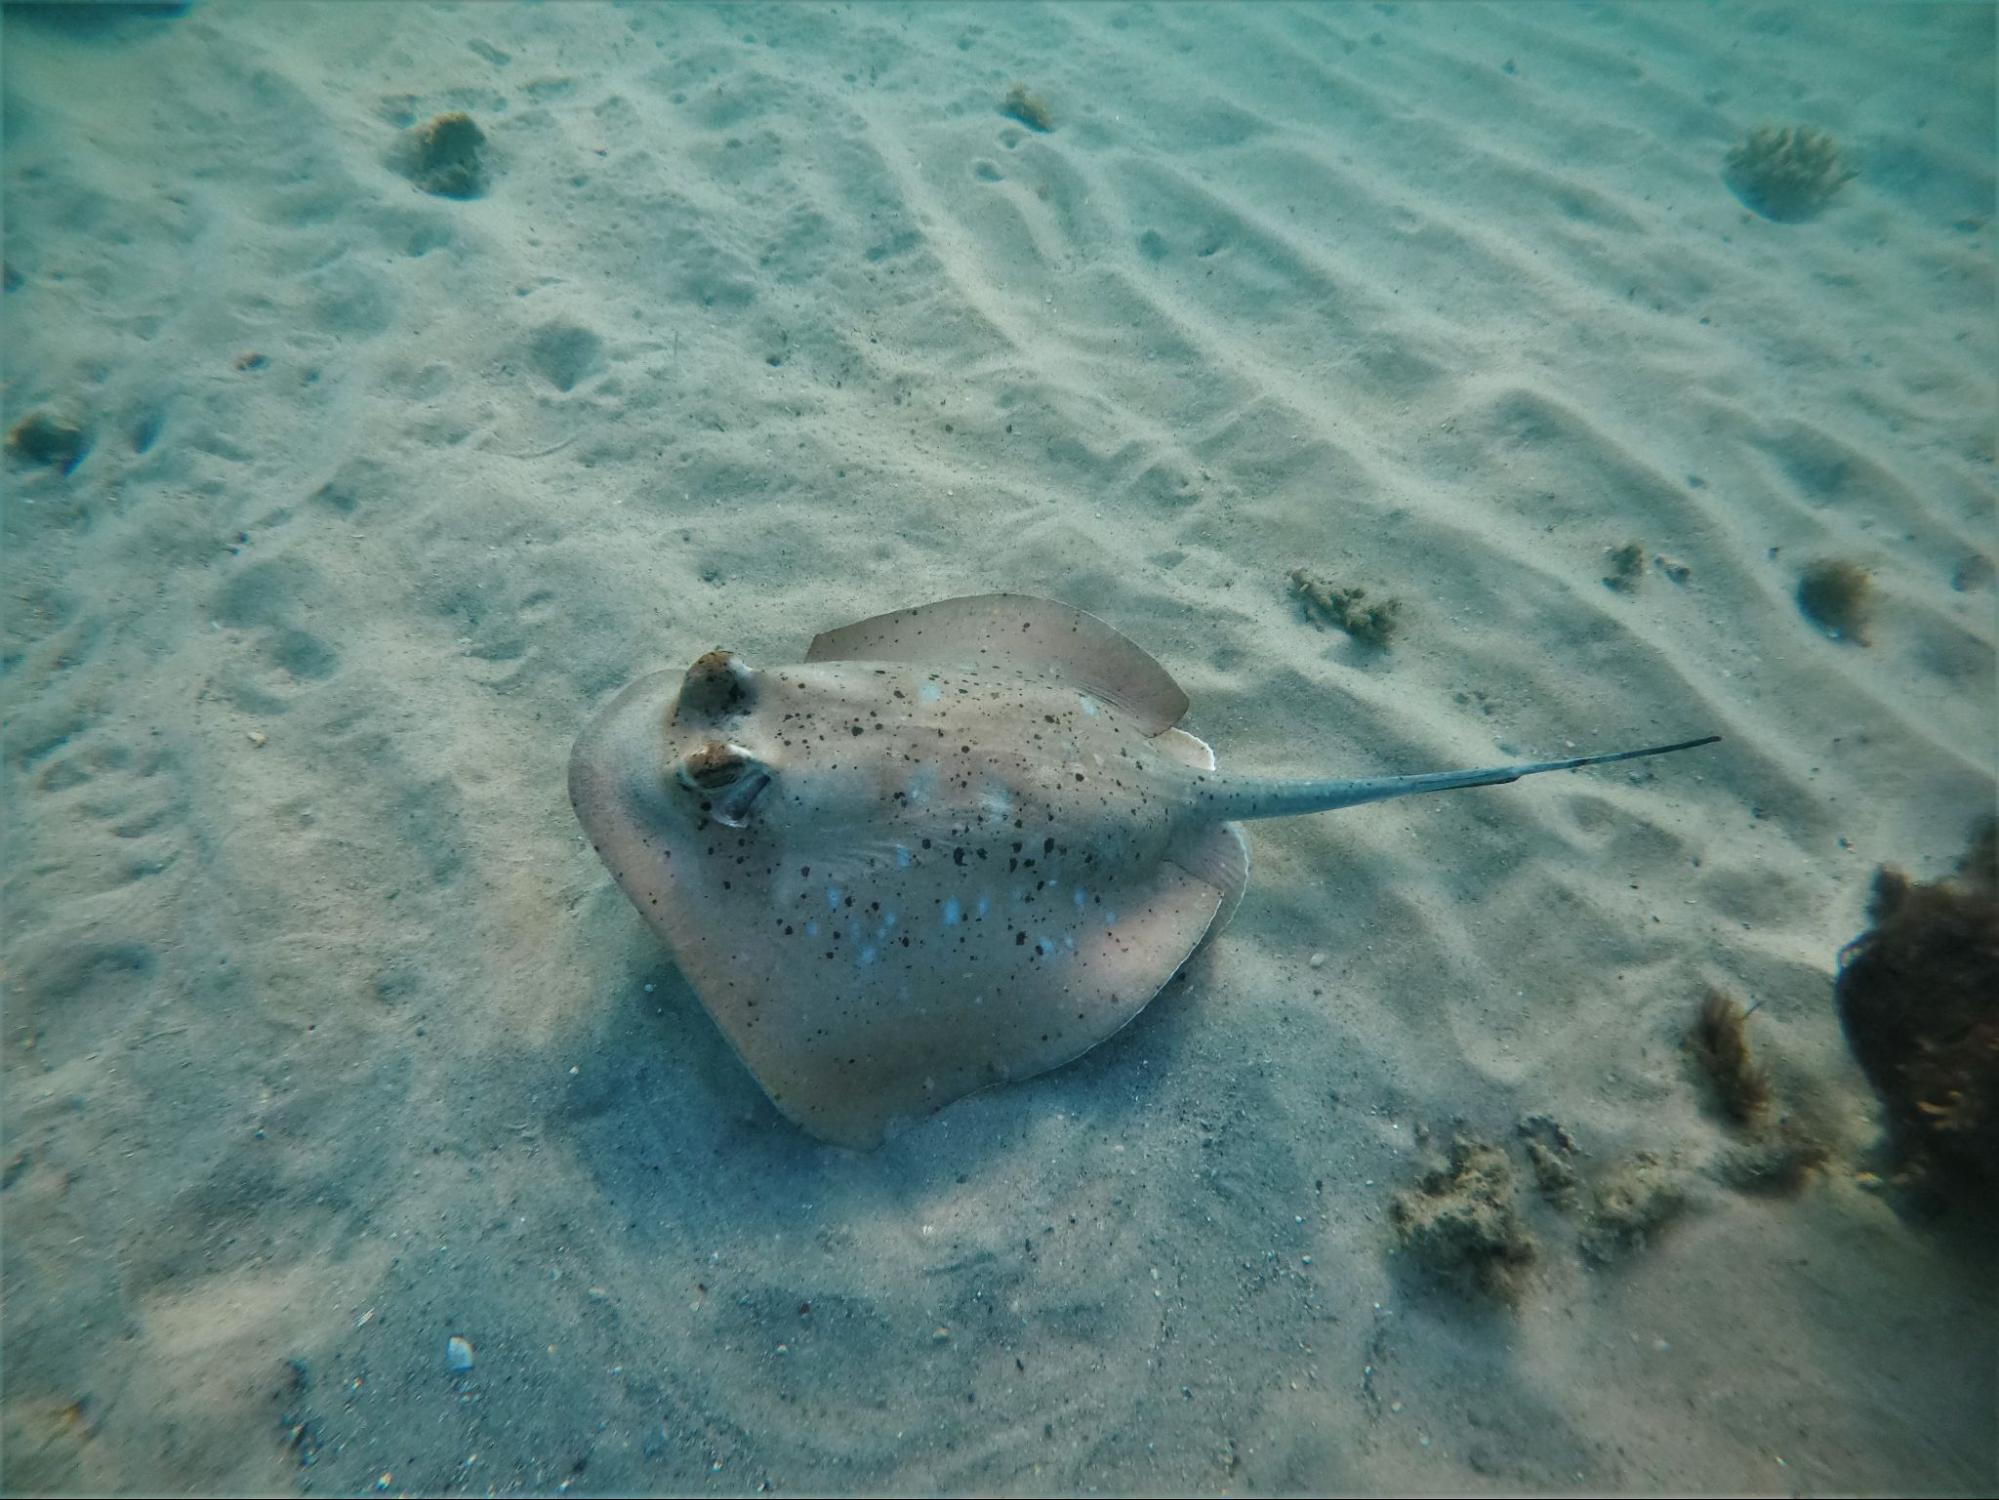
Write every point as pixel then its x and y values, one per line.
pixel 672 1124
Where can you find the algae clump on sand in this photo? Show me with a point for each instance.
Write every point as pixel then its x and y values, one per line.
pixel 1371 624
pixel 445 156
pixel 1721 1046
pixel 1030 109
pixel 1627 568
pixel 1629 1203
pixel 1771 1155
pixel 1838 597
pixel 1461 1221
pixel 48 440
pixel 1787 174
pixel 1918 997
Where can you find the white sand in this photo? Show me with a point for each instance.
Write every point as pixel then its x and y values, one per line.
pixel 328 1039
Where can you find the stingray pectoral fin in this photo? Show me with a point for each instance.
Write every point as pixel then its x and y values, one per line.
pixel 1216 854
pixel 854 1033
pixel 1020 634
pixel 1255 798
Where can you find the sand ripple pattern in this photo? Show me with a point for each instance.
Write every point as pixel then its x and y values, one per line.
pixel 326 1039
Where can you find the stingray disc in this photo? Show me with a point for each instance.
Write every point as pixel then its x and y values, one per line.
pixel 942 853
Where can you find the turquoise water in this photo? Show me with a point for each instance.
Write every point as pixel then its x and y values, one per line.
pixel 390 386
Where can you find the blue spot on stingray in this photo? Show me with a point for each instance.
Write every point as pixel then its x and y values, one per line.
pixel 902 856
pixel 812 929
pixel 929 692
pixel 833 894
pixel 951 912
pixel 1078 897
pixel 868 954
pixel 984 906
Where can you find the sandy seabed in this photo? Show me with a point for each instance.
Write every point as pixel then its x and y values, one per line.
pixel 327 1039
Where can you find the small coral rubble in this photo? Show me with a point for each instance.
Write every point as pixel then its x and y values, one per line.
pixel 1629 1204
pixel 1370 624
pixel 1462 1223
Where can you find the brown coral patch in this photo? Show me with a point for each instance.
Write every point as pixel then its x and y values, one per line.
pixel 1918 996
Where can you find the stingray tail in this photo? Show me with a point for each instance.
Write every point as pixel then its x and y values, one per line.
pixel 1249 797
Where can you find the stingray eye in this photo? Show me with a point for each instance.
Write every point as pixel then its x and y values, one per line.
pixel 716 687
pixel 714 766
pixel 727 778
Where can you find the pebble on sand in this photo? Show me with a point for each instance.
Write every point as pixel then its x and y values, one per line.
pixel 458 1353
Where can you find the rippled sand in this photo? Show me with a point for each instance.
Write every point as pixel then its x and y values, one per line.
pixel 328 1040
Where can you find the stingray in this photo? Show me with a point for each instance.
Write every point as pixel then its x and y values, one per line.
pixel 957 845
